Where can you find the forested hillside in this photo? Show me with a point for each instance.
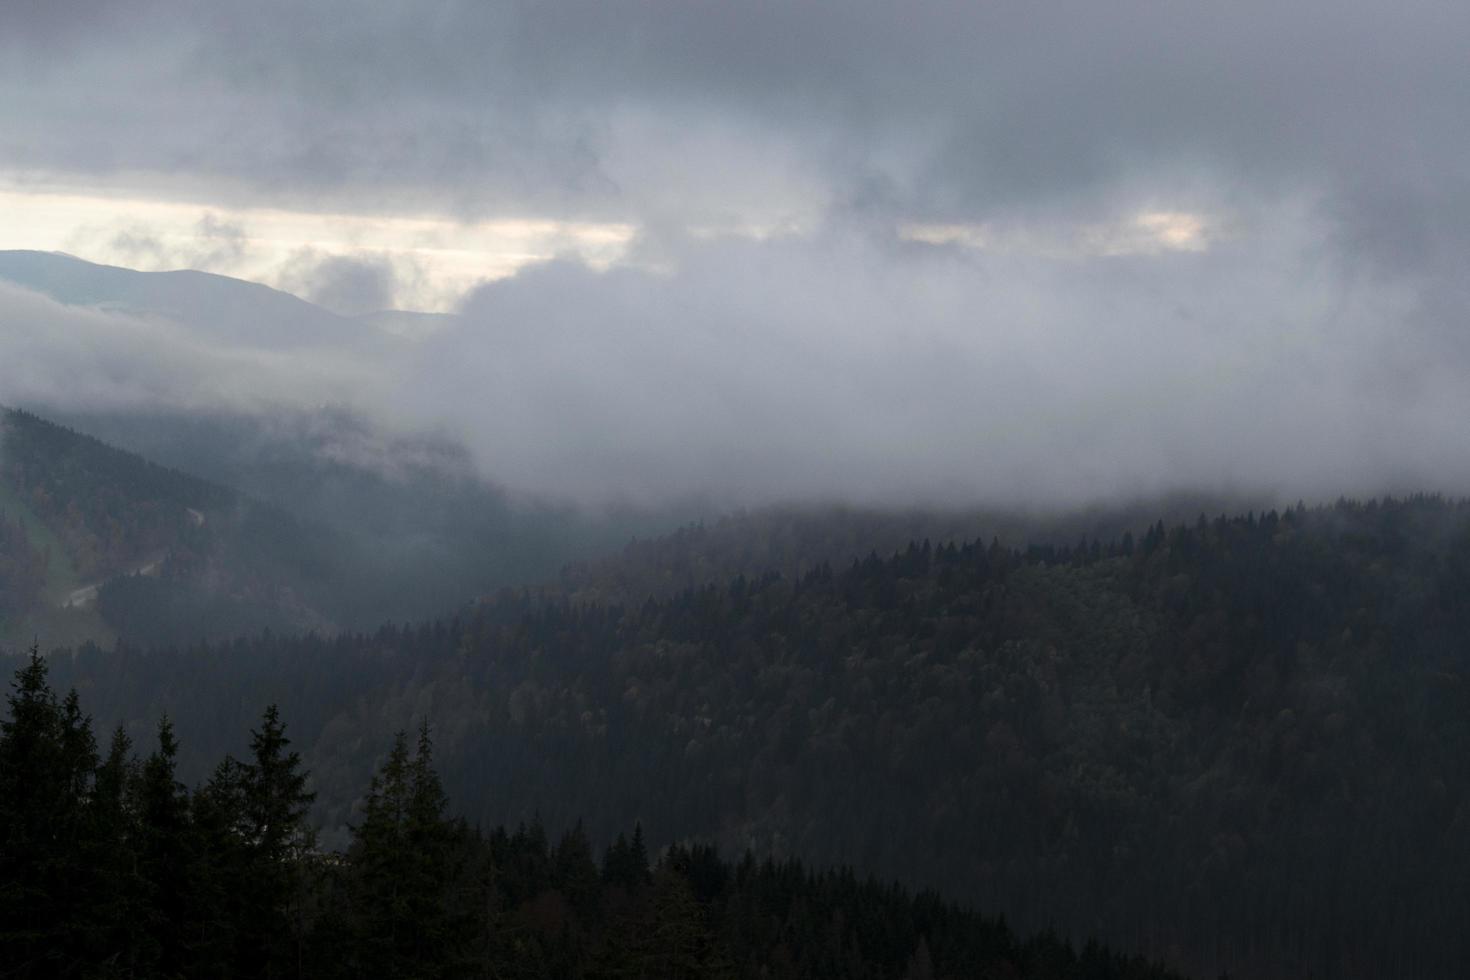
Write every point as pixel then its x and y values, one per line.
pixel 112 867
pixel 97 543
pixel 86 529
pixel 425 529
pixel 22 570
pixel 792 540
pixel 1240 743
pixel 112 509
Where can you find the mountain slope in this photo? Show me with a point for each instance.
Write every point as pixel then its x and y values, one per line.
pixel 417 512
pixel 315 522
pixel 160 555
pixel 1243 744
pixel 222 309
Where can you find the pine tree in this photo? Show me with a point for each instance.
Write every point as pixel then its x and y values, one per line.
pixel 615 861
pixel 638 856
pixel 166 854
pixel 276 838
pixel 115 937
pixel 678 943
pixel 402 869
pixel 574 871
pixel 224 889
pixel 626 862
pixel 48 759
pixel 375 859
pixel 430 844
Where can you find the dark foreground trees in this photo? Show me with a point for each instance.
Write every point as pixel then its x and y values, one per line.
pixel 111 867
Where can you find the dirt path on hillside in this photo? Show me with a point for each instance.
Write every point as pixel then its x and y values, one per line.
pixel 86 595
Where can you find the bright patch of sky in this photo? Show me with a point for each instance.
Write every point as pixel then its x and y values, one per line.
pixel 436 261
pixel 1143 233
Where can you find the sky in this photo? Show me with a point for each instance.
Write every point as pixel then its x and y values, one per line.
pixel 897 253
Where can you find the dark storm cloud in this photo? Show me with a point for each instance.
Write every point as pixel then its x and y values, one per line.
pixel 46 23
pixel 958 110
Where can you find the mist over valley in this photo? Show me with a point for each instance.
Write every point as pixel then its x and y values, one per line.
pixel 709 490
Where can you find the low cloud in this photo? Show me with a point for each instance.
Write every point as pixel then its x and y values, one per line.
pixel 86 359
pixel 213 243
pixel 931 253
pixel 1280 359
pixel 885 372
pixel 346 284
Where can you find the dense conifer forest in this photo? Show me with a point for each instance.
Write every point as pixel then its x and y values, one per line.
pixel 112 867
pixel 1240 743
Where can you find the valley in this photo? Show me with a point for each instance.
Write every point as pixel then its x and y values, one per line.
pixel 508 490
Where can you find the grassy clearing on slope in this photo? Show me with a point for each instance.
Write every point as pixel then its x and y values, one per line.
pixel 61 572
pixel 52 625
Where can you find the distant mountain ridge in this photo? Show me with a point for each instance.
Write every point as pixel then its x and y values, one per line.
pixel 236 311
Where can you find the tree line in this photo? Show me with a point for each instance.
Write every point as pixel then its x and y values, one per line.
pixel 111 867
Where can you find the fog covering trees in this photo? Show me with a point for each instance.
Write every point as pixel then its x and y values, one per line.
pixel 930 254
pixel 113 868
pixel 97 543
